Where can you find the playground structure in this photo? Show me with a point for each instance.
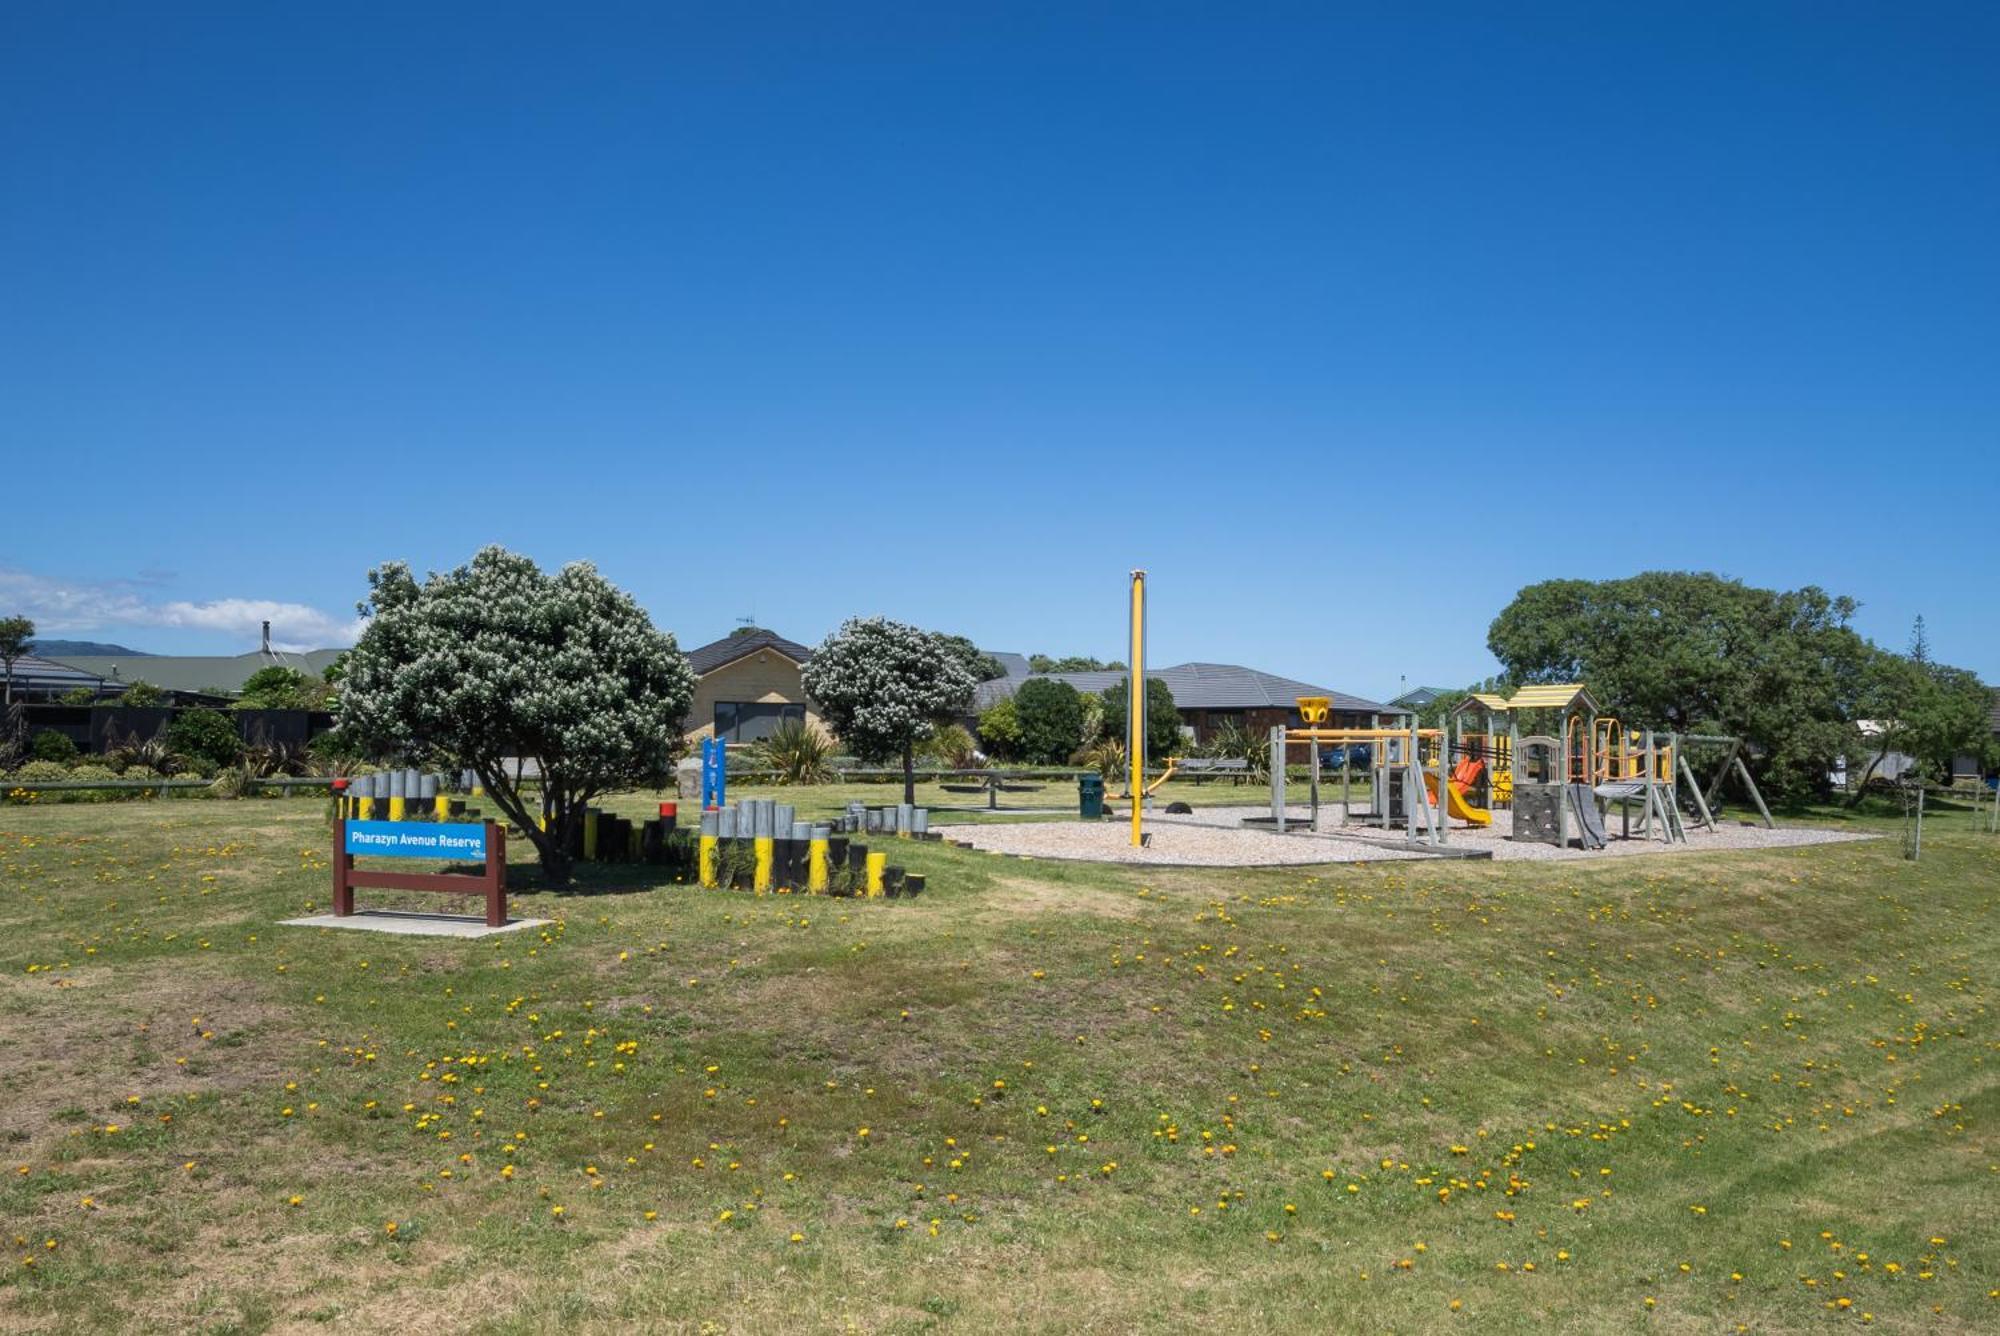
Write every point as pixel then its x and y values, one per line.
pixel 1560 784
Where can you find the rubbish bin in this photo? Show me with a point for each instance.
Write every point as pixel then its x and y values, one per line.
pixel 1090 797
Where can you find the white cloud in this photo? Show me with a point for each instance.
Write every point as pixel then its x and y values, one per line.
pixel 65 607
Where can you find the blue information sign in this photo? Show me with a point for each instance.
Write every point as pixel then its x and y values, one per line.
pixel 417 839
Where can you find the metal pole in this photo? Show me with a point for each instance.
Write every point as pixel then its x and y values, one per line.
pixel 1314 748
pixel 1278 777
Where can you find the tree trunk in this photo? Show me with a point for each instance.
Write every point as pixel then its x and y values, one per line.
pixel 1861 788
pixel 551 845
pixel 910 773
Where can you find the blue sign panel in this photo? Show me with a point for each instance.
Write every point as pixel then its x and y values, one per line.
pixel 417 839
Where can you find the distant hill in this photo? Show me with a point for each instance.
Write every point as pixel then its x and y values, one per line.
pixel 56 649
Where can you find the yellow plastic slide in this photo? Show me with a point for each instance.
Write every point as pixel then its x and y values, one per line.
pixel 1457 805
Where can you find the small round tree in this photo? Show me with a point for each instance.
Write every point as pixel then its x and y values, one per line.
pixel 884 687
pixel 1163 721
pixel 1051 719
pixel 495 666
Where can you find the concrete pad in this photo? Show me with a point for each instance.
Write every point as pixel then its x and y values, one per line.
pixel 410 923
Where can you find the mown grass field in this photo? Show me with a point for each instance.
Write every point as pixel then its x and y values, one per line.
pixel 1677 1094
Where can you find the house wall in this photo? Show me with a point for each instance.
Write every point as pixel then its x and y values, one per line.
pixel 766 676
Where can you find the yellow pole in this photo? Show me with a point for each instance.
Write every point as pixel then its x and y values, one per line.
pixel 367 808
pixel 706 852
pixel 589 834
pixel 816 870
pixel 441 806
pixel 395 808
pixel 766 850
pixel 1135 708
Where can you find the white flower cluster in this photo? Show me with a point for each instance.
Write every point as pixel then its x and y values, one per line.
pixel 497 659
pixel 883 685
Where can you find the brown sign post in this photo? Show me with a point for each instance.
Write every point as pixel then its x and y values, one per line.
pixel 490 881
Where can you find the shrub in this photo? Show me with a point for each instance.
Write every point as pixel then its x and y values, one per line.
pixel 798 753
pixel 1107 758
pixel 951 745
pixel 1229 741
pixel 41 772
pixel 205 737
pixel 1000 730
pixel 1051 719
pixel 78 696
pixel 142 696
pixel 280 688
pixel 152 754
pixel 49 745
pixel 1093 720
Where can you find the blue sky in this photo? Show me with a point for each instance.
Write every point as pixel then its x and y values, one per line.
pixel 1346 321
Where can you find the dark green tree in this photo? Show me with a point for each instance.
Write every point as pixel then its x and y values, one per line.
pixel 1692 652
pixel 1163 720
pixel 1050 714
pixel 1072 663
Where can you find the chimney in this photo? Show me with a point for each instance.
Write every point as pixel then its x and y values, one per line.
pixel 267 638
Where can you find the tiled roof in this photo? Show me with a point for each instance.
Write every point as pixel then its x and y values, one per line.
pixel 1201 686
pixel 729 649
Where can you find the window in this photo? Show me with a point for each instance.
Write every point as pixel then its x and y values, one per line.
pixel 752 720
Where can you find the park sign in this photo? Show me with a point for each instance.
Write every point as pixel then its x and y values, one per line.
pixel 417 839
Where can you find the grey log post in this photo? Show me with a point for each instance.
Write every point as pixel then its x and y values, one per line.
pixel 1743 773
pixel 1278 778
pixel 1700 803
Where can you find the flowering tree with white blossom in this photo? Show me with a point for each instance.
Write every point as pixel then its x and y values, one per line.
pixel 884 687
pixel 497 663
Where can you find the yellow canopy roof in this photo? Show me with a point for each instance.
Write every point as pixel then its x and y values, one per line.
pixel 1553 696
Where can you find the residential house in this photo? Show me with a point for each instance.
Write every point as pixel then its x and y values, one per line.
pixel 748 684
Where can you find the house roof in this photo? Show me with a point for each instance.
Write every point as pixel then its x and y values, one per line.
pixel 33 673
pixel 196 672
pixel 1418 697
pixel 1200 686
pixel 720 653
pixel 1016 664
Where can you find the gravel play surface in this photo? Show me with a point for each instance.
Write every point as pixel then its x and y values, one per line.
pixel 1215 837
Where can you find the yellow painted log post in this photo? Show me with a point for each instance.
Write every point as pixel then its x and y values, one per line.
pixel 705 851
pixel 877 865
pixel 1135 710
pixel 816 869
pixel 441 806
pixel 589 834
pixel 766 849
pixel 396 806
pixel 367 808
